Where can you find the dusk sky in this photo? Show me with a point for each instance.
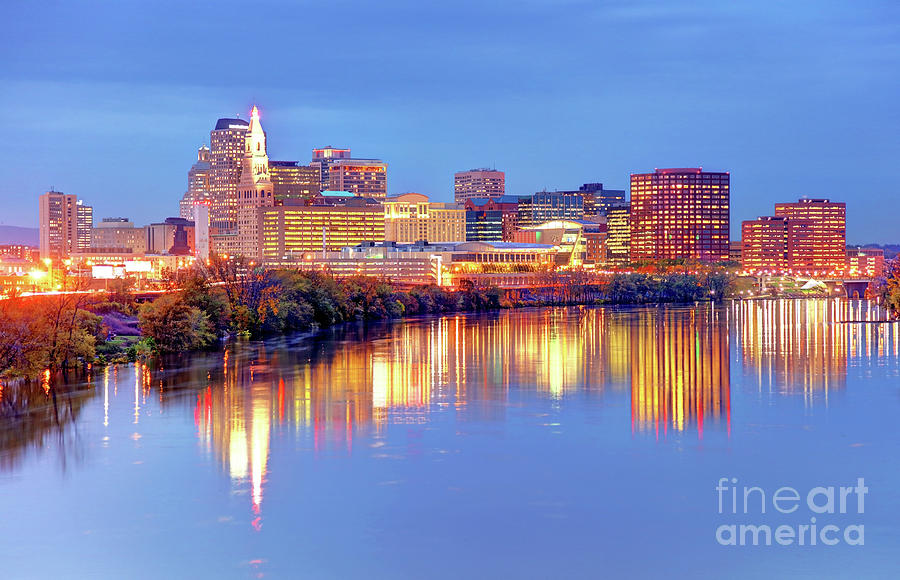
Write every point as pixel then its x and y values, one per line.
pixel 110 100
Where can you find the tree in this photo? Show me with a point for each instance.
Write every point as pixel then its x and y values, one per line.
pixel 890 292
pixel 174 325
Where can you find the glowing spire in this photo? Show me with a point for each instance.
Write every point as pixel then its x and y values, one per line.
pixel 254 114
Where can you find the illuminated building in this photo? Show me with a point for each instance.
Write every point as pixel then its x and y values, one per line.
pixel 255 189
pixel 545 206
pixel 361 177
pixel 735 251
pixel 678 214
pixel 817 240
pixel 579 242
pixel 65 224
pixel 118 235
pixel 764 243
pixel 201 230
pixel 492 219
pixel 21 251
pixel 598 200
pixel 290 180
pixel 290 230
pixel 865 262
pixel 198 184
pixel 478 183
pixel 227 143
pixel 410 217
pixel 322 158
pixel 618 236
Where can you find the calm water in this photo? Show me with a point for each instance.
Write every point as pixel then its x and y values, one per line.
pixel 545 443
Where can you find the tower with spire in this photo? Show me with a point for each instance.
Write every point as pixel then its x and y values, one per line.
pixel 255 188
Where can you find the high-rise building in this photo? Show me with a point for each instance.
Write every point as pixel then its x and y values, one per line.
pixel 201 230
pixel 118 235
pixel 322 158
pixel 478 183
pixel 764 245
pixel 492 219
pixel 293 229
pixel 290 180
pixel 597 199
pixel 817 241
pixel 227 143
pixel 680 213
pixel 173 233
pixel 361 177
pixel 545 206
pixel 410 217
pixel 865 262
pixel 255 188
pixel 803 238
pixel 618 239
pixel 65 224
pixel 198 184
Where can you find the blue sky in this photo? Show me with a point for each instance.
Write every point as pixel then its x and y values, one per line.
pixel 110 100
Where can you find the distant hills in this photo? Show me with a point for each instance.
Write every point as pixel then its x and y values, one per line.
pixel 18 235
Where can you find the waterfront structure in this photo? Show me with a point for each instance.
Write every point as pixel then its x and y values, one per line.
pixel 618 239
pixel 322 158
pixel 255 189
pixel 803 238
pixel 546 206
pixel 293 229
pixel 578 242
pixel 817 238
pixel 118 235
pixel 290 180
pixel 65 224
pixel 411 217
pixel 598 200
pixel 680 213
pixel 478 183
pixel 865 263
pixel 198 184
pixel 361 177
pixel 492 219
pixel 227 143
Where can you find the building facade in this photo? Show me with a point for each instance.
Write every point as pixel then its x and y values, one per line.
pixel 255 189
pixel 765 245
pixel 291 230
pixel 290 180
pixel 198 184
pixel 65 224
pixel 545 206
pixel 118 235
pixel 680 214
pixel 492 219
pixel 361 177
pixel 410 218
pixel 478 183
pixel 618 237
pixel 322 158
pixel 227 142
pixel 598 200
pixel 818 235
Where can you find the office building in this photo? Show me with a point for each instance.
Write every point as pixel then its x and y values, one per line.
pixel 680 214
pixel 227 143
pixel 174 236
pixel 478 183
pixel 865 263
pixel 545 206
pixel 618 238
pixel 765 245
pixel 65 224
pixel 290 180
pixel 361 177
pixel 322 158
pixel 492 219
pixel 818 235
pixel 118 235
pixel 598 200
pixel 410 218
pixel 198 184
pixel 294 229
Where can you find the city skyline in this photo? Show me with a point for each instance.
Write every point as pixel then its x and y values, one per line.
pixel 798 103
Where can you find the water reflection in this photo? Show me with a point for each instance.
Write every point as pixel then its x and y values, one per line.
pixel 672 367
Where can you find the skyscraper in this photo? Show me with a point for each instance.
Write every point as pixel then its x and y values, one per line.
pixel 322 158
pixel 817 241
pixel 597 199
pixel 227 142
pixel 477 183
pixel 680 213
pixel 198 184
pixel 65 224
pixel 255 188
pixel 618 240
pixel 361 177
pixel 546 206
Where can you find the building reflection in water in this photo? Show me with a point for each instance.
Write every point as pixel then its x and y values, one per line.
pixel 673 364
